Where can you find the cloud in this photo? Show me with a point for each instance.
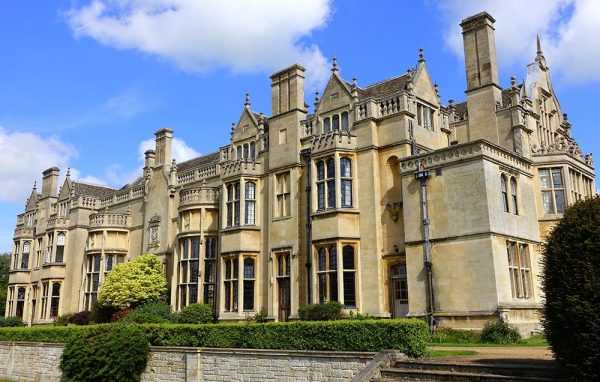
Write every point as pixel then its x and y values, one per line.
pixel 180 150
pixel 23 157
pixel 566 27
pixel 201 35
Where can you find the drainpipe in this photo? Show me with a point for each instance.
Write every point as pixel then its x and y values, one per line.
pixel 423 177
pixel 306 155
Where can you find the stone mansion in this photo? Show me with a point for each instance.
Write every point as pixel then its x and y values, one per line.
pixel 383 198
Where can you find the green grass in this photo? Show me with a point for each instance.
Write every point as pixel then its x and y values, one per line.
pixel 449 353
pixel 533 341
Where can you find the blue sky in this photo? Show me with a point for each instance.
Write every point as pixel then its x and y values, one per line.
pixel 75 75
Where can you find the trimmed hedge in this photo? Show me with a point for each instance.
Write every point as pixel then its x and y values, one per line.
pixel 326 311
pixel 196 314
pixel 406 335
pixel 9 322
pixel 498 332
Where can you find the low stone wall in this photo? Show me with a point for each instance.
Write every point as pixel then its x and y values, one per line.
pixel 21 361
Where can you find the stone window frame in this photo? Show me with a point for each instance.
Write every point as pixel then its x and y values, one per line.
pixel 325 274
pixel 282 194
pixel 550 190
pixel 210 268
pixel 250 202
pixel 185 270
pixel 519 268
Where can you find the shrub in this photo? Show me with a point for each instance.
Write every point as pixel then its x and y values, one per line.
pixel 455 336
pixel 359 316
pixel 406 335
pixel 101 314
pixel 571 282
pixel 158 309
pixel 261 317
pixel 81 318
pixel 137 317
pixel 8 322
pixel 498 332
pixel 108 353
pixel 62 320
pixel 119 314
pixel 327 311
pixel 133 284
pixel 196 314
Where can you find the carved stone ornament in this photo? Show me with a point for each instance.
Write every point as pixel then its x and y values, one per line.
pixel 394 210
pixel 154 234
pixel 155 219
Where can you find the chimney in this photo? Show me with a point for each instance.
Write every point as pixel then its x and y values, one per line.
pixel 50 182
pixel 483 90
pixel 164 138
pixel 287 90
pixel 149 158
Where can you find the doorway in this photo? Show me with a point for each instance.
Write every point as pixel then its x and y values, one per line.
pixel 283 286
pixel 399 290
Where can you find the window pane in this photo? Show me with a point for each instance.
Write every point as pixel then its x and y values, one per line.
pixel 545 178
pixel 248 295
pixel 333 287
pixel 330 168
pixel 321 196
pixel 195 247
pixel 250 212
pixel 250 190
pixel 209 271
pixel 557 179
pixel 346 193
pixel 345 168
pixel 345 120
pixel 320 170
pixel 336 122
pixel 326 125
pixel 331 193
pixel 332 258
pixel 194 271
pixel 348 257
pixel 548 202
pixel 349 289
pixel 193 294
pixel 322 260
pixel 560 201
pixel 248 269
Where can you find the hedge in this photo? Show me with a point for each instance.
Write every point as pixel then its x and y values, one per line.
pixel 406 335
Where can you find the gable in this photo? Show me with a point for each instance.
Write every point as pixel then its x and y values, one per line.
pixel 65 190
pixel 246 128
pixel 423 87
pixel 336 95
pixel 32 201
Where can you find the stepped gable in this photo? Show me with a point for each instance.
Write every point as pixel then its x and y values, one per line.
pixel 92 190
pixel 384 87
pixel 198 161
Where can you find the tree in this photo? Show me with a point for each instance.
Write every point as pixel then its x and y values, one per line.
pixel 133 284
pixel 4 268
pixel 571 283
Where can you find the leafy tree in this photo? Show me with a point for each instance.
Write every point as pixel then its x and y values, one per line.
pixel 133 284
pixel 4 268
pixel 571 283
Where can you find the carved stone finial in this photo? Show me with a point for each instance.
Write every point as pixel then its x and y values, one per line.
pixel 334 67
pixel 421 55
pixel 232 127
pixel 566 117
pixel 34 184
pixel 524 90
pixel 539 55
pixel 68 172
pixel 539 45
pixel 513 82
pixel 247 101
pixel 451 102
pixel 437 89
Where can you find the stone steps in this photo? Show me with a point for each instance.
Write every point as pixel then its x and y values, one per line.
pixel 426 370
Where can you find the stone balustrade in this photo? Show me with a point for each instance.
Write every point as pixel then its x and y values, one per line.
pixel 198 173
pixel 392 104
pixel 57 222
pixel 109 220
pixel 122 196
pixel 199 196
pixel 563 145
pixel 23 232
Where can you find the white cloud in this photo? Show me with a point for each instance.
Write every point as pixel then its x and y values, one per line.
pixel 200 35
pixel 89 179
pixel 567 29
pixel 23 157
pixel 179 149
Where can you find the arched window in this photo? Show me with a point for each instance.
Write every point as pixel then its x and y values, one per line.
pixel 246 151
pixel 345 121
pixel 336 122
pixel 327 274
pixel 233 204
pixel 60 248
pixel 20 302
pixel 326 125
pixel 239 152
pixel 253 150
pixel 513 191
pixel 25 255
pixel 248 284
pixel 349 275
pixel 320 185
pixel 331 183
pixel 346 181
pixel 504 192
pixel 250 197
pixel 55 300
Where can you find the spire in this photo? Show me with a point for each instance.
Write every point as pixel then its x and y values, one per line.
pixel 334 67
pixel 421 56
pixel 247 101
pixel 539 54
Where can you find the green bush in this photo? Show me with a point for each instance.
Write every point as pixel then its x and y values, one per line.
pixel 261 317
pixel 408 336
pixel 327 311
pixel 108 353
pixel 137 317
pixel 196 314
pixel 81 318
pixel 62 320
pixel 158 309
pixel 8 322
pixel 455 336
pixel 101 314
pixel 359 316
pixel 571 281
pixel 498 332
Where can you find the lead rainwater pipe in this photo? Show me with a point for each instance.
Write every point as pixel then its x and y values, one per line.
pixel 306 155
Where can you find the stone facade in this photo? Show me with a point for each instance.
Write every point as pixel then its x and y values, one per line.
pixel 383 198
pixel 39 362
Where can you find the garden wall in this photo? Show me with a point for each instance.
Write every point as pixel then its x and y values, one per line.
pixel 24 361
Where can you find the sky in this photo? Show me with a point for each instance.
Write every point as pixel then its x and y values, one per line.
pixel 85 84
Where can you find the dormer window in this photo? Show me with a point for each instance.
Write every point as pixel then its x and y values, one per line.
pixel 246 150
pixel 336 122
pixel 253 150
pixel 425 116
pixel 239 152
pixel 345 121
